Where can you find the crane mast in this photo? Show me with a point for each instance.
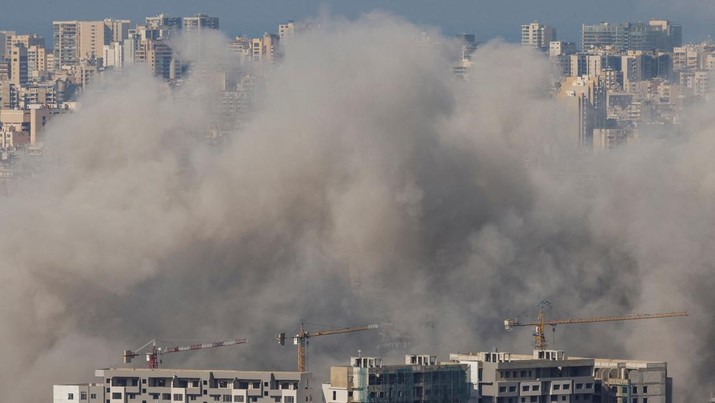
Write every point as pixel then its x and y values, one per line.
pixel 301 339
pixel 541 322
pixel 153 353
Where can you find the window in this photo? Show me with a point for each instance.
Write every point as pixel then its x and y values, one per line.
pixel 645 400
pixel 533 398
pixel 579 385
pixel 645 389
pixel 166 396
pixel 589 385
pixel 525 388
pixel 117 395
pixel 238 398
pixel 567 386
pixel 70 396
pixel 178 397
pixel 512 388
pixel 535 387
pixel 82 395
pixel 635 389
pixel 557 387
pixel 502 389
pixel 226 398
pixel 554 398
pixel 93 396
pixel 335 395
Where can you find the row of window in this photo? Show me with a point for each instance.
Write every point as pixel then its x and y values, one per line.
pixel 180 398
pixel 82 396
pixel 194 383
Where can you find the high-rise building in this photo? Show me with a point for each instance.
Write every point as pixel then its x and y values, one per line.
pixel 585 97
pixel 5 43
pixel 419 379
pixel 18 65
pixel 536 35
pixel 66 43
pixel 92 36
pixel 163 21
pixel 198 23
pixel 656 35
pixel 36 61
pixel 286 31
pixel 26 40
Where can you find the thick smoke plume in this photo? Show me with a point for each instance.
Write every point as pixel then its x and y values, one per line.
pixel 370 186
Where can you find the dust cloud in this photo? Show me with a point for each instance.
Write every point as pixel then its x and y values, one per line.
pixel 369 186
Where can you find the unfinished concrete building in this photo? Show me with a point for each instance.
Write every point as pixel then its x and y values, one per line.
pixel 143 385
pixel 420 379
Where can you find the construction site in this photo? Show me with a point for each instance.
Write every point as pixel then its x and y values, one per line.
pixel 546 375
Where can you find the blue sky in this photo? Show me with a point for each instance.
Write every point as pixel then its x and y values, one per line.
pixel 485 18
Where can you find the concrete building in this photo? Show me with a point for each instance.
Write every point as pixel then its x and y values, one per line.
pixel 538 36
pixel 633 381
pixel 585 97
pixel 18 65
pixel 36 62
pixel 286 31
pixel 5 43
pixel 198 23
pixel 89 393
pixel 545 376
pixel 656 35
pixel 551 376
pixel 183 385
pixel 163 21
pixel 113 55
pixel 24 126
pixel 419 379
pixel 66 43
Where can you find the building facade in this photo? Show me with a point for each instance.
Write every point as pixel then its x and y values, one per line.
pixel 128 385
pixel 419 379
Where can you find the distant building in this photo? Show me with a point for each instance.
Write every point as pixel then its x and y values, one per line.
pixel 551 376
pixel 419 379
pixel 18 65
pixel 656 35
pixel 183 385
pixel 585 97
pixel 198 23
pixel 286 31
pixel 163 21
pixel 536 35
pixel 66 43
pixel 89 393
pixel 544 377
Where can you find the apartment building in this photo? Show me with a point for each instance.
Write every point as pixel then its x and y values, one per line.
pixel 129 385
pixel 419 379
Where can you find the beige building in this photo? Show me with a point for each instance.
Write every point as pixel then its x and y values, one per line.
pixel 185 385
pixel 585 98
pixel 538 36
pixel 22 127
pixel 18 65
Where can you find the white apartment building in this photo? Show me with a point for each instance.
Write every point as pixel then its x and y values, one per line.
pixel 143 385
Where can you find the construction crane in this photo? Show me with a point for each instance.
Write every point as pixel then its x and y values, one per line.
pixel 301 339
pixel 541 323
pixel 152 352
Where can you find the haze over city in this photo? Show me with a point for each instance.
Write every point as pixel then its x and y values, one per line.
pixel 221 170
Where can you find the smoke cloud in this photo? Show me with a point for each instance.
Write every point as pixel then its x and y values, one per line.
pixel 370 186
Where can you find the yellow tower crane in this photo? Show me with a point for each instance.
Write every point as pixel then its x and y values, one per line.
pixel 541 322
pixel 301 339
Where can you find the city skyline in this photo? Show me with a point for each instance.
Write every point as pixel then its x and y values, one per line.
pixel 160 181
pixel 487 20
